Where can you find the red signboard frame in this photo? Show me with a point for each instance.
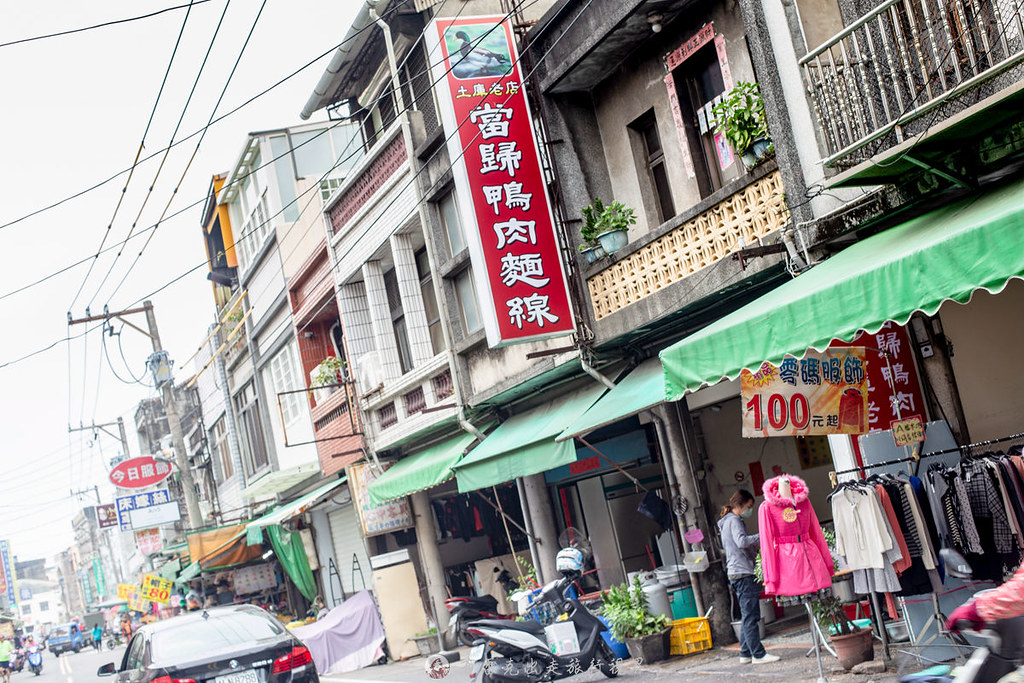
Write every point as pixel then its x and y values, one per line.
pixel 140 472
pixel 502 195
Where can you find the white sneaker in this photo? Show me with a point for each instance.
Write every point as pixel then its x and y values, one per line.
pixel 765 659
pixel 744 660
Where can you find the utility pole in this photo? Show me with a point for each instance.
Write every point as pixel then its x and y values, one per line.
pixel 121 436
pixel 170 405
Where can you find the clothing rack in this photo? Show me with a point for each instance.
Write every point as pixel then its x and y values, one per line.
pixel 913 458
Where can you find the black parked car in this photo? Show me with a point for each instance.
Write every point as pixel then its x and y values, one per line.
pixel 236 644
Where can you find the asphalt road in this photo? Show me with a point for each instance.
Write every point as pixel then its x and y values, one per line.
pixel 70 667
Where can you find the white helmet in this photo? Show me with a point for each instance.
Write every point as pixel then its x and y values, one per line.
pixel 569 560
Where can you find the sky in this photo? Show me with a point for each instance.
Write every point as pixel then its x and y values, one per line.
pixel 75 109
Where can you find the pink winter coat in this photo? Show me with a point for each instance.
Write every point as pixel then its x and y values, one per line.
pixel 794 556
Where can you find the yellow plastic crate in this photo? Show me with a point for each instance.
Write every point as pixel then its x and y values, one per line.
pixel 690 635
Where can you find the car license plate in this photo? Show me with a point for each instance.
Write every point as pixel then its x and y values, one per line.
pixel 248 676
pixel 475 655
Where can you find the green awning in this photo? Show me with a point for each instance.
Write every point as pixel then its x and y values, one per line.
pixel 190 572
pixel 525 443
pixel 275 483
pixel 944 255
pixel 419 471
pixel 254 529
pixel 641 389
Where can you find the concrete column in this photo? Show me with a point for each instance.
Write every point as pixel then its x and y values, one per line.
pixel 537 505
pixel 710 587
pixel 355 319
pixel 412 298
pixel 380 320
pixel 430 559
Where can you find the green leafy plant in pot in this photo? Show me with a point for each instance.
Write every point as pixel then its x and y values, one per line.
pixel 589 247
pixel 324 376
pixel 645 634
pixel 853 645
pixel 741 119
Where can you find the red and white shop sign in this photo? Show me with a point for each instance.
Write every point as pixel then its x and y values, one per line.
pixel 138 473
pixel 503 202
pixel 905 388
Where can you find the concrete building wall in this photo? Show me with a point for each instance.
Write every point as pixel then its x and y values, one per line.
pixel 986 361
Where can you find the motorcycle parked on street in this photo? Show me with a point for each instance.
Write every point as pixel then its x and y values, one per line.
pixel 464 609
pixel 113 639
pixel 507 651
pixel 18 660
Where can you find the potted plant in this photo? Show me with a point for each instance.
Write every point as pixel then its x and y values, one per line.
pixel 853 645
pixel 741 119
pixel 646 635
pixel 427 642
pixel 590 248
pixel 328 372
pixel 608 224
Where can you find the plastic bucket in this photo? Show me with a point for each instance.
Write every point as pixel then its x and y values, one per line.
pixel 617 646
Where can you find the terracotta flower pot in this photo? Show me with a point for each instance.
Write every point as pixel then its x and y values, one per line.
pixel 854 648
pixel 652 648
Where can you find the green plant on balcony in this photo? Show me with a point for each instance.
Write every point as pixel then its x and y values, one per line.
pixel 741 119
pixel 605 227
pixel 329 371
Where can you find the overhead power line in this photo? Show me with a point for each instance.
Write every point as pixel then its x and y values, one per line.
pixel 104 24
pixel 188 137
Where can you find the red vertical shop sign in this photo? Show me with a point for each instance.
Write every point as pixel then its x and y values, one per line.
pixel 893 340
pixel 502 196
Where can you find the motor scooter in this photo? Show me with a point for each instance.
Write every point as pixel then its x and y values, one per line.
pixel 507 651
pixel 1003 653
pixel 464 609
pixel 17 660
pixel 35 661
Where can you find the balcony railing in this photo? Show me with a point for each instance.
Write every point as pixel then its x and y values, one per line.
pixel 904 58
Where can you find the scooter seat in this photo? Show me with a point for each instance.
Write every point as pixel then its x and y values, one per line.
pixel 530 626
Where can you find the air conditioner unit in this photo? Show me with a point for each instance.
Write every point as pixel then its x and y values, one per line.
pixel 368 371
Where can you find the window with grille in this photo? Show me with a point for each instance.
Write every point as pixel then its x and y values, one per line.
pixel 328 186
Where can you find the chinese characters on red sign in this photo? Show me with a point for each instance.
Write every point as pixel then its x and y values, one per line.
pixel 502 196
pixel 137 473
pixel 905 389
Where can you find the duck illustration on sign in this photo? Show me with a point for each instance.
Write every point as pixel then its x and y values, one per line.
pixel 481 52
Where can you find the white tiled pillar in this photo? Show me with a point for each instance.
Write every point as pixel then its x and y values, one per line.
pixel 355 319
pixel 380 319
pixel 412 299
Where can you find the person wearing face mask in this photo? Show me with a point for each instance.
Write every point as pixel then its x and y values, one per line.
pixel 740 550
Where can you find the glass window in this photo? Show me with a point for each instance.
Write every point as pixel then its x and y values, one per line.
pixel 452 227
pixel 466 291
pixel 348 149
pixel 43 606
pixel 26 608
pixel 219 436
pixel 654 158
pixel 699 85
pixel 430 302
pixel 180 640
pixel 285 177
pixel 398 320
pixel 313 156
pixel 251 426
pixel 285 377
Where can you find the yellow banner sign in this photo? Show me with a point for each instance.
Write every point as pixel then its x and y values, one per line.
pixel 156 589
pixel 124 590
pixel 821 393
pixel 136 602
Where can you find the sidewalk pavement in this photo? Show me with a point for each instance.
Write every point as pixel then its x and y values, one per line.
pixel 718 664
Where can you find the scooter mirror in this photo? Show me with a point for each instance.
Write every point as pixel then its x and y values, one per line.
pixel 956 565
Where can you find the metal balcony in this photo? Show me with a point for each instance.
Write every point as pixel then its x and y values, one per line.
pixel 903 59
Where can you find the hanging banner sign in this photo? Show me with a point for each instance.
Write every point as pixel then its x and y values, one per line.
pixel 821 393
pixel 146 509
pixel 149 541
pixel 138 473
pixel 156 589
pixel 376 519
pixel 502 195
pixel 106 515
pixel 125 589
pixel 893 382
pixel 8 572
pixel 136 602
